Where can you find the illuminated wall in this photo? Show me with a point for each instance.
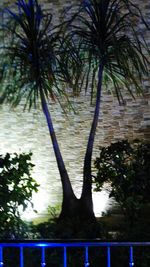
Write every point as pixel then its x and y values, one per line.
pixel 24 131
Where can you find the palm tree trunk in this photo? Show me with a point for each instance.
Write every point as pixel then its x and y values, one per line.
pixel 68 194
pixel 86 195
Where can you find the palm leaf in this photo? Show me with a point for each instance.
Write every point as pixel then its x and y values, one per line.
pixel 108 36
pixel 35 55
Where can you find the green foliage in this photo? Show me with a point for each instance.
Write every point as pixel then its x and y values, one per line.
pixel 106 33
pixel 33 56
pixel 16 188
pixel 71 229
pixel 53 212
pixel 127 168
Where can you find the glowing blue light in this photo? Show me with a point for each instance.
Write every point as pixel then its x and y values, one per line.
pixel 42 245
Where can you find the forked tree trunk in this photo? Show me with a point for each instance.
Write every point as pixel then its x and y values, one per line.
pixel 71 206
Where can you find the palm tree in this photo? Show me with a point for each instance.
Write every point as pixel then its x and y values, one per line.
pixel 31 69
pixel 112 51
pixel 102 46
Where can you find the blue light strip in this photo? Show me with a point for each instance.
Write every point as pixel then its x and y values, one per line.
pixel 21 257
pixel 86 264
pixel 1 256
pixel 131 263
pixel 65 257
pixel 108 257
pixel 70 243
pixel 43 263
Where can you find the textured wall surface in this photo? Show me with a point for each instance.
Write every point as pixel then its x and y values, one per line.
pixel 23 131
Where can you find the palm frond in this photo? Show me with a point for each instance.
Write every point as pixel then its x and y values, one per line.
pixel 109 36
pixel 35 55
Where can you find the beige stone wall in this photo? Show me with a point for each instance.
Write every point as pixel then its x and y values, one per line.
pixel 23 131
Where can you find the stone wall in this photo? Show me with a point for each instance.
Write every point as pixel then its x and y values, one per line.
pixel 22 131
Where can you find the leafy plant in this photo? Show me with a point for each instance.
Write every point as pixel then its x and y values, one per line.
pixel 16 189
pixel 126 166
pixel 99 44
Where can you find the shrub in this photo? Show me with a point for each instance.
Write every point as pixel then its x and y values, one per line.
pixel 16 188
pixel 126 166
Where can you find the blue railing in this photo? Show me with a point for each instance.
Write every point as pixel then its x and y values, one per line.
pixel 85 245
